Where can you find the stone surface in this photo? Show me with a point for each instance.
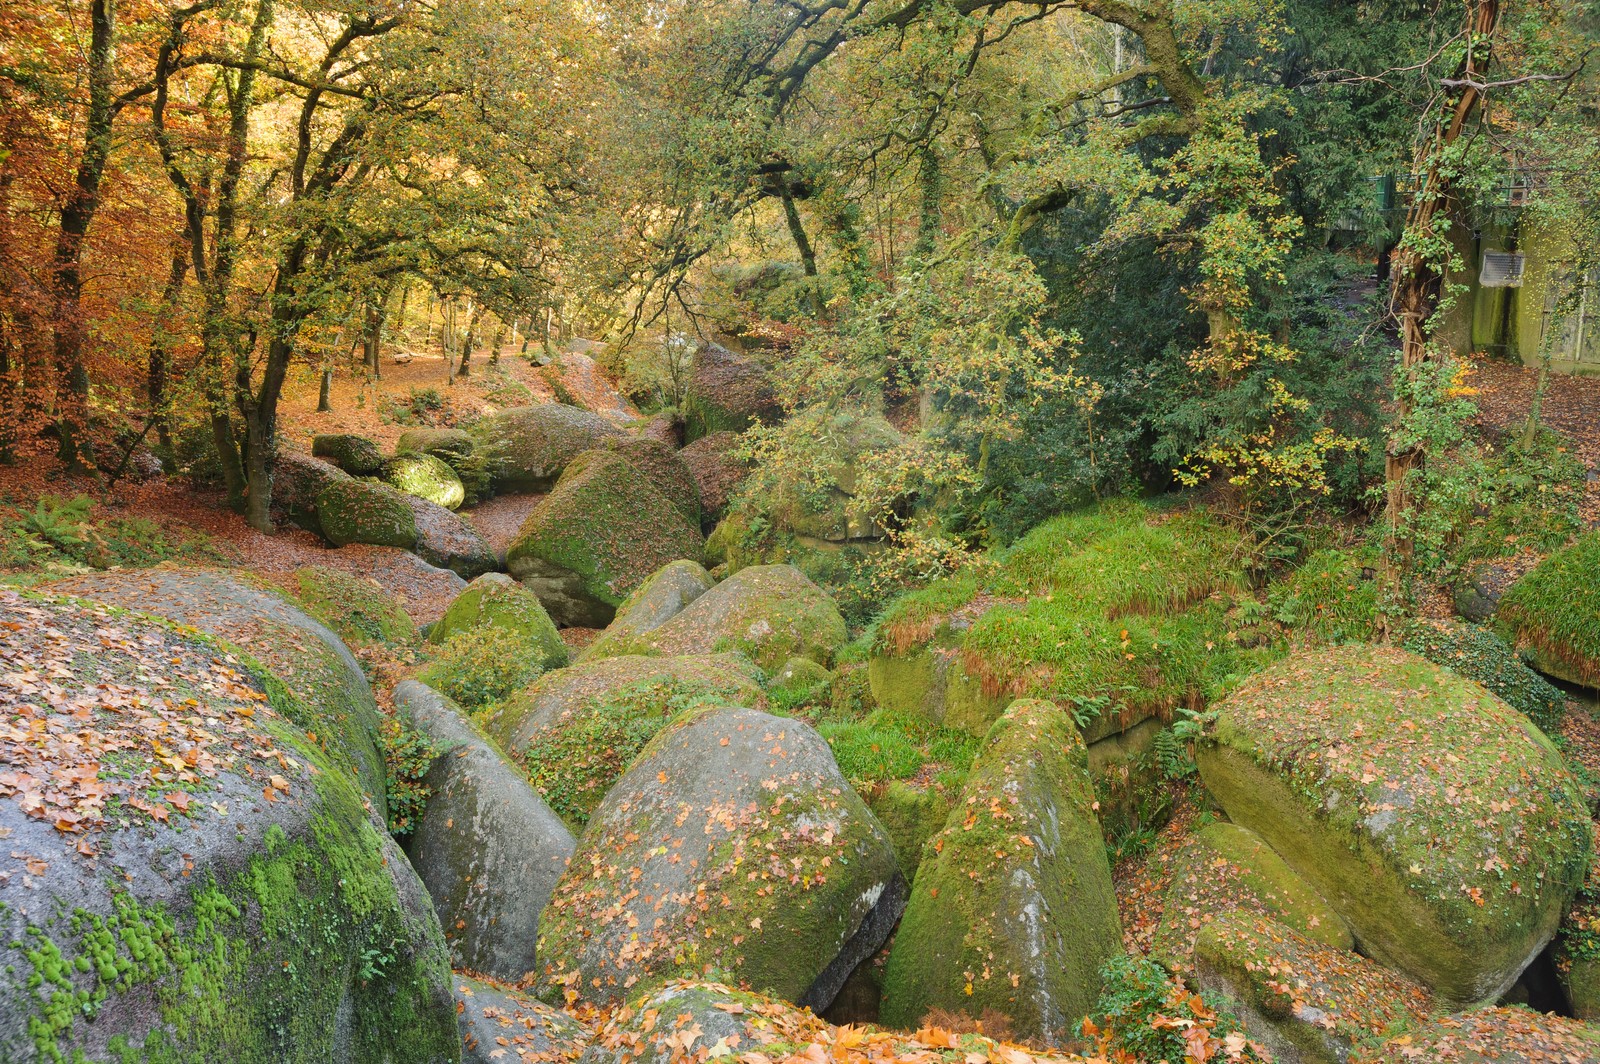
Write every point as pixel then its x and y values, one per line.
pixel 717 471
pixel 354 454
pixel 596 537
pixel 659 463
pixel 1359 766
pixel 769 612
pixel 335 706
pixel 530 446
pixel 244 907
pixel 496 599
pixel 732 843
pixel 447 541
pixel 1492 1036
pixel 726 392
pixel 653 603
pixel 1012 908
pixel 487 847
pixel 501 1025
pixel 359 511
pixel 297 480
pixel 426 477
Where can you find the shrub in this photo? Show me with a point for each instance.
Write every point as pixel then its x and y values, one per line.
pixel 1333 597
pixel 481 666
pixel 408 755
pixel 1150 1016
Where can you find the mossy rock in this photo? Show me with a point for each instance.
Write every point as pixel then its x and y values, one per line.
pixel 911 815
pixel 1511 1035
pixel 826 509
pixel 1012 908
pixel 1577 949
pixel 487 848
pixel 1358 765
pixel 359 511
pixel 718 471
pixel 452 446
pixel 559 698
pixel 1128 780
pixel 690 863
pixel 256 913
pixel 503 1025
pixel 356 455
pixel 446 541
pixel 935 684
pixel 1303 999
pixel 531 445
pixel 1481 655
pixel 333 705
pixel 659 464
pixel 357 608
pixel 799 674
pixel 496 599
pixel 1552 614
pixel 726 392
pixel 297 480
pixel 663 595
pixel 596 537
pixel 426 477
pixel 1226 868
pixel 770 613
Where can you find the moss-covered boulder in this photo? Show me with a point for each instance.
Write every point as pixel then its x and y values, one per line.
pixel 732 843
pixel 494 599
pixel 297 480
pixel 1012 909
pixel 356 608
pixel 770 613
pixel 577 730
pixel 487 848
pixel 726 393
pixel 911 815
pixel 1360 766
pixel 1553 613
pixel 1577 950
pixel 1225 868
pixel 1301 998
pixel 596 537
pixel 359 511
pixel 452 446
pixel 1491 1036
pixel 653 603
pixel 1479 654
pixel 192 879
pixel 502 1025
pixel 799 674
pixel 445 540
pixel 354 454
pixel 530 446
pixel 334 704
pixel 426 477
pixel 659 464
pixel 714 462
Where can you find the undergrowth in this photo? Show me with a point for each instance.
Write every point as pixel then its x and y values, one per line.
pixel 481 666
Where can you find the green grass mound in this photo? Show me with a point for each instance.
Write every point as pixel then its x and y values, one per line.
pixel 1479 654
pixel 1331 598
pixel 357 608
pixel 1225 868
pixel 358 511
pixel 1553 613
pixel 1360 766
pixel 495 600
pixel 1012 909
pixel 601 532
pixel 354 454
pixel 426 477
pixel 1117 613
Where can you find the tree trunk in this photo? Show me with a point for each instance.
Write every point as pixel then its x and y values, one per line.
pixel 325 391
pixel 930 176
pixel 160 358
pixel 83 199
pixel 372 339
pixel 466 345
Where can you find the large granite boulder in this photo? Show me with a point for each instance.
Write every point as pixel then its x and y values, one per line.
pixel 659 463
pixel 1304 1000
pixel 732 843
pixel 770 613
pixel 354 454
pixel 596 537
pixel 487 848
pixel 718 471
pixel 726 393
pixel 445 540
pixel 426 477
pixel 1491 1036
pixel 333 705
pixel 1012 909
pixel 190 877
pixel 358 609
pixel 496 600
pixel 360 511
pixel 1362 766
pixel 501 1025
pixel 297 480
pixel 530 446
pixel 1552 614
pixel 653 603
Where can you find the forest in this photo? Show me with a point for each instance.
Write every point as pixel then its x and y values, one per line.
pixel 800 531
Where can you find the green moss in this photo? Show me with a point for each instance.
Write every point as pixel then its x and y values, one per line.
pixel 357 609
pixel 911 816
pixel 426 477
pixel 354 454
pixel 356 511
pixel 1554 613
pixel 531 445
pixel 1332 598
pixel 481 666
pixel 1479 654
pixel 494 601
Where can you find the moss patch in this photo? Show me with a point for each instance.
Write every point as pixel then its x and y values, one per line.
pixel 356 608
pixel 426 477
pixel 495 601
pixel 356 511
pixel 1554 613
